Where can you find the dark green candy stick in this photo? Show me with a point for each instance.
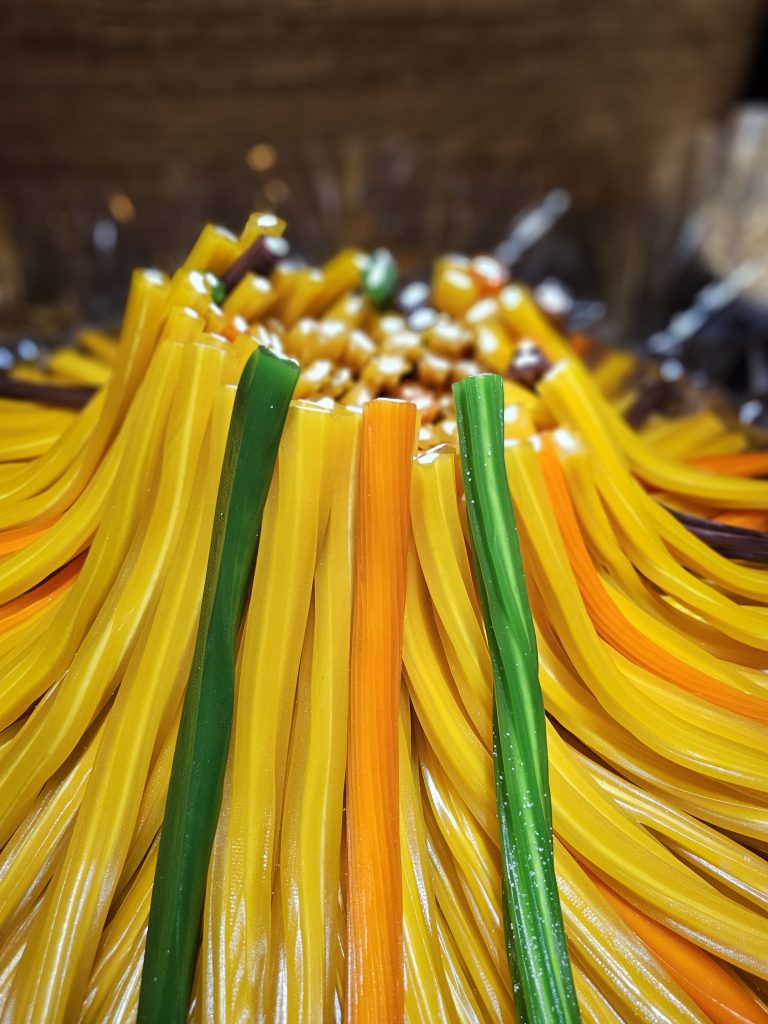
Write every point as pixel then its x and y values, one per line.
pixel 197 776
pixel 380 278
pixel 537 951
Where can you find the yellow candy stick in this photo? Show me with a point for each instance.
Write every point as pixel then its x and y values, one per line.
pixel 302 297
pixel 272 1005
pixel 78 367
pixel 341 275
pixel 631 705
pixel 631 590
pixel 98 343
pixel 214 251
pixel 729 442
pixel 121 1004
pixel 466 1006
pixel 649 874
pixel 639 514
pixel 33 853
pixel 51 732
pixel 466 760
pixel 676 439
pixel 593 1006
pixel 575 400
pixel 31 416
pixel 425 1002
pixel 477 961
pixel 727 807
pixel 252 298
pixel 241 874
pixel 742 622
pixel 24 676
pixel 520 312
pixel 56 479
pixel 611 372
pixel 260 224
pixel 118 941
pixel 152 808
pixel 69 534
pixel 724 860
pixel 625 971
pixel 445 564
pixel 76 905
pixel 16 638
pixel 11 952
pixel 25 437
pixel 475 861
pixel 311 834
pixel 34 476
pixel 76 525
pixel 741 580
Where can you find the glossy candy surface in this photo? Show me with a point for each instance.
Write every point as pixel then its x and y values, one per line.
pixel 449 790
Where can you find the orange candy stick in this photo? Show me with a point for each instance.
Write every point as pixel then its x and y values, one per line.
pixel 34 600
pixel 750 519
pixel 739 464
pixel 375 992
pixel 613 625
pixel 15 540
pixel 721 995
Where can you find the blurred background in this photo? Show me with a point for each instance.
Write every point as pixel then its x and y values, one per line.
pixel 618 151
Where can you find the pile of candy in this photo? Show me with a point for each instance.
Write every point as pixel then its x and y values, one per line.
pixel 316 705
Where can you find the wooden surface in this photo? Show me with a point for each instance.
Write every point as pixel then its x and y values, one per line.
pixel 387 117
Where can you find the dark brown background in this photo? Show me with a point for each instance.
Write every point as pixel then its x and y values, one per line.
pixel 422 125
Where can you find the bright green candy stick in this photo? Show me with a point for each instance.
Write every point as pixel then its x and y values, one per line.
pixel 197 776
pixel 535 938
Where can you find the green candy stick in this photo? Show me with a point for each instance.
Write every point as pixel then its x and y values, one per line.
pixel 197 776
pixel 535 937
pixel 380 278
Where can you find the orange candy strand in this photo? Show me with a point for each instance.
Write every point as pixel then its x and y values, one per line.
pixel 722 996
pixel 738 464
pixel 35 600
pixel 613 625
pixel 750 519
pixel 375 992
pixel 15 540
